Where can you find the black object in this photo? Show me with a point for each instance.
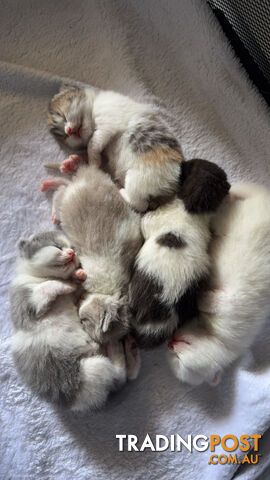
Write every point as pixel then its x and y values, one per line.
pixel 253 52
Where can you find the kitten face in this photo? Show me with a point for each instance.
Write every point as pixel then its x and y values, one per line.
pixel 70 118
pixel 49 255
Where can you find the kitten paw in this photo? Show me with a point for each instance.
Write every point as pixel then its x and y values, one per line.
pixel 115 352
pixel 47 185
pixel 80 274
pixel 71 164
pixel 55 220
pixel 178 344
pixel 133 359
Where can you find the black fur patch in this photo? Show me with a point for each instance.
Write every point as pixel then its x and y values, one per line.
pixel 146 307
pixel 202 186
pixel 187 305
pixel 171 240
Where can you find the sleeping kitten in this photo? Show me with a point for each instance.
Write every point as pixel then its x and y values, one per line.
pixel 52 352
pixel 237 305
pixel 174 260
pixel 143 154
pixel 106 233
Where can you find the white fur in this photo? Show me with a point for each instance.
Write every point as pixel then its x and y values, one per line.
pixel 175 269
pixel 112 116
pixel 235 309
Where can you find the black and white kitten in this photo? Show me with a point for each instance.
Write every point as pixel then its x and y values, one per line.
pixel 174 260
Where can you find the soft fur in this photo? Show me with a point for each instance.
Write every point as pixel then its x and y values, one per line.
pixel 105 232
pixel 168 269
pixel 174 260
pixel 202 185
pixel 142 153
pixel 53 353
pixel 235 308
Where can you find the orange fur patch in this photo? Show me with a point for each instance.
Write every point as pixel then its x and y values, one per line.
pixel 160 155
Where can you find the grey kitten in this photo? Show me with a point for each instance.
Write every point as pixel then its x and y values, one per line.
pixel 106 233
pixel 53 353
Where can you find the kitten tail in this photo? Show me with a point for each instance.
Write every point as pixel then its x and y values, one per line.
pixel 53 166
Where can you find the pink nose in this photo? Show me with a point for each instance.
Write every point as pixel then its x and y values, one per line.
pixel 69 131
pixel 71 253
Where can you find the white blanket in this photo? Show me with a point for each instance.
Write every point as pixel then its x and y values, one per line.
pixel 175 51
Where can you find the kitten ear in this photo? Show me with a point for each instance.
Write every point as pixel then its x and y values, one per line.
pixel 214 380
pixel 203 185
pixel 21 245
pixel 64 87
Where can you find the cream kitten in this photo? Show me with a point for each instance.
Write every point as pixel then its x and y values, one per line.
pixel 143 154
pixel 53 353
pixel 236 307
pixel 106 233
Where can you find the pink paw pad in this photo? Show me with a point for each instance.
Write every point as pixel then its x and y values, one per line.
pixel 55 220
pixel 47 184
pixel 173 343
pixel 70 165
pixel 80 274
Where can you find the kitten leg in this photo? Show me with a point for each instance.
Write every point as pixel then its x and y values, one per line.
pixel 133 193
pixel 217 301
pixel 45 293
pixel 99 141
pixel 53 183
pixel 56 204
pixel 115 352
pixel 138 204
pixel 197 356
pixel 72 163
pixel 133 358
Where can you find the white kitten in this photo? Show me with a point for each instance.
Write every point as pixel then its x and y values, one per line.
pixel 235 309
pixel 51 350
pixel 143 154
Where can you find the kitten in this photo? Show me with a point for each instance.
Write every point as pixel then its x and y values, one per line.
pixel 142 153
pixel 235 308
pixel 174 260
pixel 106 233
pixel 52 352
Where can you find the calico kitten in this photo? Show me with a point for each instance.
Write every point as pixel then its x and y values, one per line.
pixel 174 261
pixel 235 308
pixel 53 353
pixel 106 233
pixel 142 153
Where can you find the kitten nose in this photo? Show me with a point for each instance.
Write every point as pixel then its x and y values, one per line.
pixel 69 131
pixel 71 253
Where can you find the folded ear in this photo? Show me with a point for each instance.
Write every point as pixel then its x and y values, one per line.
pixel 214 380
pixel 22 244
pixel 202 186
pixel 65 87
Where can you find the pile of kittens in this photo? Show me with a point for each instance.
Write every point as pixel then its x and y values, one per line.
pixel 151 248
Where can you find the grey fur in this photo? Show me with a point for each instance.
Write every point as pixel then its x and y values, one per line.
pixel 52 352
pixel 28 248
pixel 148 133
pixel 22 310
pixel 105 232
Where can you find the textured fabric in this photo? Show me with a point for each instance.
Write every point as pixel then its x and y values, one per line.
pixel 176 52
